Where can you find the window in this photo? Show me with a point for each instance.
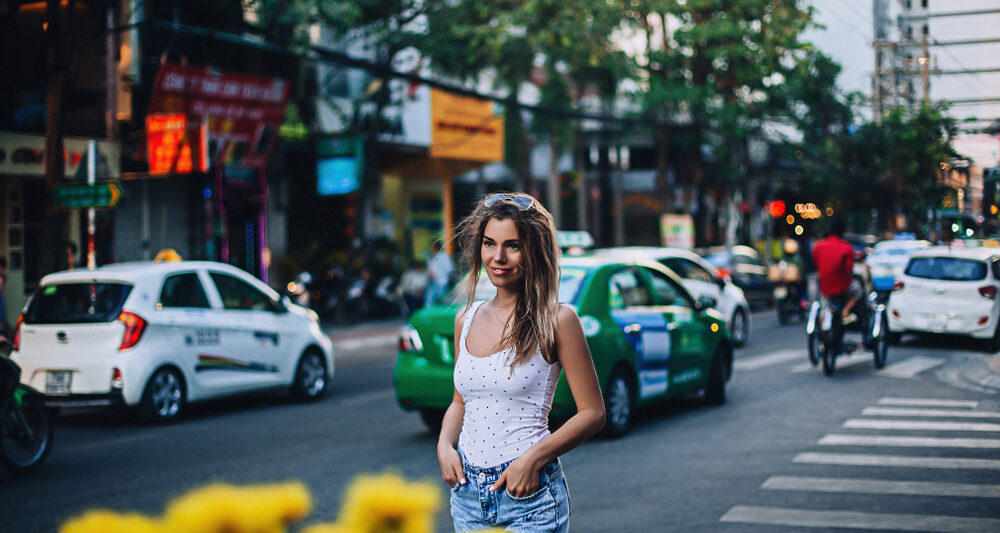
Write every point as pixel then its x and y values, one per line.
pixel 666 292
pixel 238 294
pixel 946 268
pixel 626 290
pixel 687 269
pixel 183 290
pixel 77 303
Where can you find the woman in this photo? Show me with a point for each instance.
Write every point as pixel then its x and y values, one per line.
pixel 495 448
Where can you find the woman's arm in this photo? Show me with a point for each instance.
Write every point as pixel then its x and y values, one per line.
pixel 451 425
pixel 521 476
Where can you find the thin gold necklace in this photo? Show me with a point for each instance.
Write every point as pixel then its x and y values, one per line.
pixel 497 315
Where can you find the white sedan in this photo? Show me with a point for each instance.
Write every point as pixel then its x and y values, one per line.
pixel 889 258
pixel 698 277
pixel 948 290
pixel 160 335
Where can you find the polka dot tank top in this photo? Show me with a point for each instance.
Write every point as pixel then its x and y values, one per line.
pixel 505 413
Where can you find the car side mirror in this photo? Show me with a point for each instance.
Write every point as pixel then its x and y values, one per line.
pixel 705 302
pixel 282 304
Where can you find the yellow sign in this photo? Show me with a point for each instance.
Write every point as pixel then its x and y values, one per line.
pixel 465 128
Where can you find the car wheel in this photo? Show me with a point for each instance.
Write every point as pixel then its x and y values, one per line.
pixel 432 419
pixel 163 399
pixel 618 405
pixel 739 327
pixel 310 376
pixel 715 389
pixel 993 343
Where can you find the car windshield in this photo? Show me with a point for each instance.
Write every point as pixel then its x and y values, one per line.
pixel 946 268
pixel 719 260
pixel 77 303
pixel 569 286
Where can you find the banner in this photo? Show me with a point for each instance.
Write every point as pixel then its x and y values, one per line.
pixel 465 128
pixel 240 114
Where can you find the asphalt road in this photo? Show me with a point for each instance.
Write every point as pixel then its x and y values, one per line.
pixel 865 449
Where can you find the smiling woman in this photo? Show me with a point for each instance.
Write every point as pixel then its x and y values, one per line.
pixel 495 448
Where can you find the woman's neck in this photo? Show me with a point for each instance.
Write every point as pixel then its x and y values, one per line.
pixel 505 299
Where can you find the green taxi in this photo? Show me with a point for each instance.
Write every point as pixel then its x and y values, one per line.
pixel 649 338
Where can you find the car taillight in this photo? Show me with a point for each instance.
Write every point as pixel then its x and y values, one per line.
pixel 898 286
pixel 17 332
pixel 134 326
pixel 989 292
pixel 409 340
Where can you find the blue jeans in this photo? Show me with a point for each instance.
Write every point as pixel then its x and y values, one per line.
pixel 474 507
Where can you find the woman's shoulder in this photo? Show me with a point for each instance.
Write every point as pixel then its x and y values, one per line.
pixel 566 315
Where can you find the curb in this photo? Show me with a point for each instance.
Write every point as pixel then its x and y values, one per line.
pixel 985 374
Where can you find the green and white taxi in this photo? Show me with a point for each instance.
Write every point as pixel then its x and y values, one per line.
pixel 649 338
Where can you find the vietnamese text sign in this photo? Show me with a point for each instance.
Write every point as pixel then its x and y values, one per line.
pixel 242 113
pixel 465 128
pixel 173 147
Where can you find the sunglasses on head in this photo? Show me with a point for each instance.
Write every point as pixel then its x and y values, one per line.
pixel 522 202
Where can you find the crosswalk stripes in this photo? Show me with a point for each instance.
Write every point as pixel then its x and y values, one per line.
pixel 908 414
pixel 907 368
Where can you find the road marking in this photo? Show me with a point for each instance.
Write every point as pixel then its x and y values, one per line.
pixel 752 514
pixel 367 342
pixel 841 363
pixel 878 486
pixel 927 402
pixel 911 367
pixel 895 461
pixel 899 411
pixel 378 395
pixel 834 439
pixel 930 425
pixel 761 361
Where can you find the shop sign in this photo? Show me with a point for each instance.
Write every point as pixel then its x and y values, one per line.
pixel 24 155
pixel 677 230
pixel 173 147
pixel 339 163
pixel 241 114
pixel 464 128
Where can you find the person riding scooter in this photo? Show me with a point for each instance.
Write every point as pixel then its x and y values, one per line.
pixel 834 260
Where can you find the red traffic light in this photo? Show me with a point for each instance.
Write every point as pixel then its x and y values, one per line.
pixel 776 208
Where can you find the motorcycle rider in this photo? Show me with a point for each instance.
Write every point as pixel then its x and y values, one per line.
pixel 834 260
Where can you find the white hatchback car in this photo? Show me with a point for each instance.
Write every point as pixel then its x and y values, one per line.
pixel 160 335
pixel 948 290
pixel 698 277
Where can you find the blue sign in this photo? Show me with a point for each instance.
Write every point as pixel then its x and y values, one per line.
pixel 336 175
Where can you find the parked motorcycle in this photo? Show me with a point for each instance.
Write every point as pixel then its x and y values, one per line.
pixel 25 421
pixel 825 332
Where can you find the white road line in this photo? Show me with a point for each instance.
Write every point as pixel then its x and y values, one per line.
pixel 852 459
pixel 943 413
pixel 841 363
pixel 367 397
pixel 911 367
pixel 878 486
pixel 930 425
pixel 761 361
pixel 751 514
pixel 834 439
pixel 927 402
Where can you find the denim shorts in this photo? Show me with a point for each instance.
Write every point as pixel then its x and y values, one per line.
pixel 474 507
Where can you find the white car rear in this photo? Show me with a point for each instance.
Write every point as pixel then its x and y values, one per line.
pixel 948 290
pixel 159 335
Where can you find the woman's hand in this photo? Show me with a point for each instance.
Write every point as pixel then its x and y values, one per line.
pixel 451 465
pixel 521 478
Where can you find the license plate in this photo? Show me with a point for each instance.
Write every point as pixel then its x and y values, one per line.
pixel 58 382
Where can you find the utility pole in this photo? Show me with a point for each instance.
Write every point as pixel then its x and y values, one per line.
pixel 925 64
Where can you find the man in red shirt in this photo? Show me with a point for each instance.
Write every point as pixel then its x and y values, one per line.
pixel 834 260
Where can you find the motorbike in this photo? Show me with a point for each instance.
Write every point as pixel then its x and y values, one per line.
pixel 789 296
pixel 825 332
pixel 25 421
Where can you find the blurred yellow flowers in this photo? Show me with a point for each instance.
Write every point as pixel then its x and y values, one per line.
pixel 384 503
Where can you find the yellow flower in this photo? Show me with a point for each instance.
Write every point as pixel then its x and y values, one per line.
pixel 251 509
pixel 387 503
pixel 328 528
pixel 100 521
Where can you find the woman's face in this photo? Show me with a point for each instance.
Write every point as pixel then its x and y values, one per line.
pixel 501 252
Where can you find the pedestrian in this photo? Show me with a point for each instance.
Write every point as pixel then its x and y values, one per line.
pixel 3 293
pixel 413 285
pixel 495 448
pixel 71 255
pixel 440 267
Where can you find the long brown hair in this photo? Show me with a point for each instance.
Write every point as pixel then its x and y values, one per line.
pixel 537 307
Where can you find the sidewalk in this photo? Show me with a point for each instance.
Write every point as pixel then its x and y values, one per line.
pixel 983 373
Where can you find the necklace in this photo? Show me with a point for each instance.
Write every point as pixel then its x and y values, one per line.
pixel 506 323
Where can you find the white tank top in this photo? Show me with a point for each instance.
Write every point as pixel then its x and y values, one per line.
pixel 505 413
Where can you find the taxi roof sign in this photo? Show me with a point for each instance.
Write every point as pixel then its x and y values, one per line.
pixel 577 239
